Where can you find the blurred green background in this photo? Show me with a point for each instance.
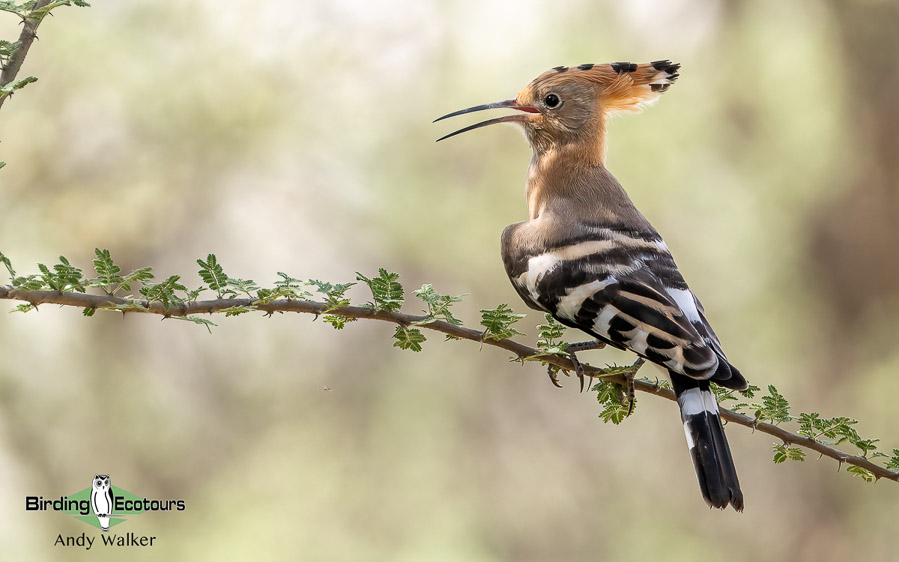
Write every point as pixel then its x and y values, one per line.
pixel 296 136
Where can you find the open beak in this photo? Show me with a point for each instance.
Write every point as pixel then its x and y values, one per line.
pixel 511 104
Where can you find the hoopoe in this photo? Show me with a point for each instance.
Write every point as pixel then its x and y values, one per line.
pixel 589 258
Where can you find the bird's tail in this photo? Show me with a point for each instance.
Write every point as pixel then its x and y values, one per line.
pixel 708 444
pixel 628 86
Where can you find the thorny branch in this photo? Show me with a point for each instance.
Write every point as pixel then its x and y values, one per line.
pixel 26 38
pixel 522 351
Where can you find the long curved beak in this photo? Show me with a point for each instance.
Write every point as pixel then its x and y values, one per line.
pixel 511 104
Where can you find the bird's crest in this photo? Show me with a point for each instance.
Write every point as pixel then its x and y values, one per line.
pixel 622 86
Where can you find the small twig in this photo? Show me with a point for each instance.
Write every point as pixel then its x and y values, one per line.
pixel 82 300
pixel 26 38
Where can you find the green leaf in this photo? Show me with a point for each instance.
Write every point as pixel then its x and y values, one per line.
pixel 551 330
pixel 5 261
pixel 43 11
pixel 197 320
pixel 164 291
pixel 291 288
pixel 63 278
pixel 831 431
pixel 142 276
pixel 408 338
pixel 28 283
pixel 780 453
pixel 23 308
pixel 88 311
pixel 438 305
pixel 723 394
pixel 17 85
pixel 334 294
pixel 213 275
pixel 7 48
pixel 774 407
pixel 893 463
pixel 13 8
pixel 610 396
pixel 783 453
pixel 385 289
pixel 237 310
pixel 750 391
pixel 498 322
pixel 107 272
pixel 862 473
pixel 265 296
pixel 69 276
pixel 334 299
pixel 287 287
pixel 549 342
pixel 866 446
pixel 192 294
pixel 245 286
pixel 337 321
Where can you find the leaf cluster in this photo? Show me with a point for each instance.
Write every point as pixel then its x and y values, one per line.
pixel 64 277
pixel 498 322
pixel 108 274
pixel 775 408
pixel 549 342
pixel 334 298
pixel 611 398
pixel 386 291
pixel 408 338
pixel 438 305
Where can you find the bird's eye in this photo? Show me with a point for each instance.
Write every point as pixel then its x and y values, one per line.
pixel 551 101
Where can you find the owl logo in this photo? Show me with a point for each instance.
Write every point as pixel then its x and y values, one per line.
pixel 102 499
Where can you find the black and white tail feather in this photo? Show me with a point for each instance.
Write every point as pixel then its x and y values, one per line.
pixel 712 460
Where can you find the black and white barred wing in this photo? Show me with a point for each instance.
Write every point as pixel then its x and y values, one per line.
pixel 625 290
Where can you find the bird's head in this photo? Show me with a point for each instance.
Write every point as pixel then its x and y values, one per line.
pixel 570 105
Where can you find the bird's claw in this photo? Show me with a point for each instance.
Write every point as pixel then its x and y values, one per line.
pixel 577 347
pixel 578 368
pixel 553 376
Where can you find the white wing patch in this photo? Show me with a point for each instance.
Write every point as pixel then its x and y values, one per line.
pixel 570 304
pixel 538 266
pixel 686 302
pixel 638 342
pixel 601 324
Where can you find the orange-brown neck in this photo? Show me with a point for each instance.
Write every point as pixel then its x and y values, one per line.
pixel 559 167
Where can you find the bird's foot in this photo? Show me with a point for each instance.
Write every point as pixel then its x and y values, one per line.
pixel 577 347
pixel 629 385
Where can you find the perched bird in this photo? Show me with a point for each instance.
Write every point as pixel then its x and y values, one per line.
pixel 589 258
